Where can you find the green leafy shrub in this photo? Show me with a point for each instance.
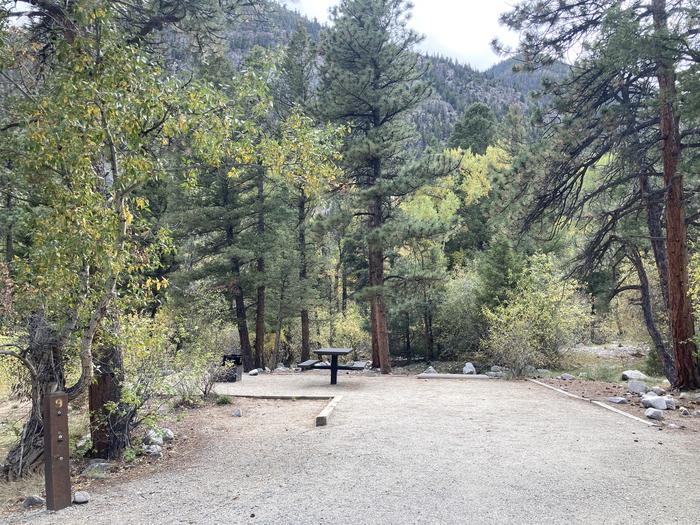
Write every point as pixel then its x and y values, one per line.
pixel 458 320
pixel 545 314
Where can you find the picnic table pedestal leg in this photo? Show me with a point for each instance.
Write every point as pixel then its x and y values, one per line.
pixel 334 370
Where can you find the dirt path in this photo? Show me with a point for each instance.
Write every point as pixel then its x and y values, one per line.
pixel 403 450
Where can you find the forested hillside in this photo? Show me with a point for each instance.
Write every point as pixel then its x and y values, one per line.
pixel 455 85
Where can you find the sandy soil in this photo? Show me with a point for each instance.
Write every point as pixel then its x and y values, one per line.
pixel 403 450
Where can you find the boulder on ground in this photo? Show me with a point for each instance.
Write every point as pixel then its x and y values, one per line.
pixel 659 391
pixel 637 387
pixel 684 411
pixel 167 434
pixel 153 450
pixel 96 470
pixel 670 403
pixel 253 372
pixel 617 400
pixel 633 374
pixel 567 377
pixel 653 413
pixel 81 497
pixel 469 369
pixel 430 370
pixel 33 501
pixel 496 368
pixel 653 401
pixel 496 375
pixel 153 438
pixel 542 372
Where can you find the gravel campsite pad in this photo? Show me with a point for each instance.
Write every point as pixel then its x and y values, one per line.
pixel 400 449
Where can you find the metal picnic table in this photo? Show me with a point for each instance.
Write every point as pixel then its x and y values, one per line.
pixel 317 364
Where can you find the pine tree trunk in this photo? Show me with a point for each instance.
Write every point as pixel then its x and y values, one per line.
pixel 380 336
pixel 305 344
pixel 409 350
pixel 654 208
pixel 9 233
pixel 344 292
pixel 278 327
pixel 429 340
pixel 109 428
pixel 659 346
pixel 260 303
pixel 241 316
pixel 682 329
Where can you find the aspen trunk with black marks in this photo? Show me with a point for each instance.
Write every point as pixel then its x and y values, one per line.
pixel 680 313
pixel 304 314
pixel 260 266
pixel 375 259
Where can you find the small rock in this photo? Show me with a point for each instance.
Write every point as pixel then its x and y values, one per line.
pixel 267 370
pixel 670 403
pixel 96 470
pixel 167 435
pixel 654 402
pixel 496 375
pixel 430 370
pixel 153 450
pixel 637 387
pixel 684 411
pixel 253 372
pixel 237 413
pixel 33 501
pixel 567 377
pixel 633 374
pixel 617 400
pixel 153 438
pixel 496 368
pixel 469 369
pixel 672 425
pixel 653 413
pixel 658 391
pixel 81 497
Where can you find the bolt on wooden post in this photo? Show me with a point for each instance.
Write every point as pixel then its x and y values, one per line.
pixel 56 451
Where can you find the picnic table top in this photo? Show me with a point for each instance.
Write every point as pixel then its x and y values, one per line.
pixel 333 351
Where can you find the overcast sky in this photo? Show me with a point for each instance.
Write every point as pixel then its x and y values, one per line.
pixel 461 29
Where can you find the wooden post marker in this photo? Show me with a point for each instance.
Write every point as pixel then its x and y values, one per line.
pixel 56 451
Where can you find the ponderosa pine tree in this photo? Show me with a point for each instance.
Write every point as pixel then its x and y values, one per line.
pixel 371 80
pixel 298 68
pixel 619 121
pixel 476 130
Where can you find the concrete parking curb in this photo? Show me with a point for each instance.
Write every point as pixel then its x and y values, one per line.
pixel 598 403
